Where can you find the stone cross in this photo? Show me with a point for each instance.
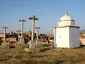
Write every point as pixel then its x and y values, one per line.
pixel 33 18
pixel 4 27
pixel 22 21
pixel 18 32
pixel 37 33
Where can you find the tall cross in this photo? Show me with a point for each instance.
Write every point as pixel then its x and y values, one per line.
pixel 37 33
pixel 18 32
pixel 22 21
pixel 4 27
pixel 33 18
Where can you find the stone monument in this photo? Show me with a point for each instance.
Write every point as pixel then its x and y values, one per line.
pixel 21 37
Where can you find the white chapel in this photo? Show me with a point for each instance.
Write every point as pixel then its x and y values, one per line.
pixel 66 34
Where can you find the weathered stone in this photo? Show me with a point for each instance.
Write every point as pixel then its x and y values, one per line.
pixel 4 43
pixel 38 42
pixel 32 44
pixel 21 40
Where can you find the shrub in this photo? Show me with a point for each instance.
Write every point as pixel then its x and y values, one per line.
pixel 1 40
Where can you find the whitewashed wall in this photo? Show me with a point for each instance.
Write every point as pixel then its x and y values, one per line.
pixel 62 37
pixel 55 44
pixel 66 37
pixel 74 36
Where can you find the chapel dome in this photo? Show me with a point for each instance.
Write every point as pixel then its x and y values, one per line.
pixel 66 20
pixel 66 17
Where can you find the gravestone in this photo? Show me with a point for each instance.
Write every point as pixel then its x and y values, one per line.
pixel 33 47
pixel 32 44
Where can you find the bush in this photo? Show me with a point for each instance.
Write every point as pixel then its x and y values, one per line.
pixel 1 40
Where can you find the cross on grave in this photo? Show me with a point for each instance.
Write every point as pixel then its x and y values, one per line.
pixel 33 18
pixel 4 27
pixel 22 25
pixel 4 41
pixel 18 33
pixel 37 34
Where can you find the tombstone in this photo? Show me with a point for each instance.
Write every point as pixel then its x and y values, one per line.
pixel 33 47
pixel 32 44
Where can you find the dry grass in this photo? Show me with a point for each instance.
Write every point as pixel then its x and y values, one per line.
pixel 54 56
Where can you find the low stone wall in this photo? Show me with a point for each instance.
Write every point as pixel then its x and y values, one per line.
pixel 82 40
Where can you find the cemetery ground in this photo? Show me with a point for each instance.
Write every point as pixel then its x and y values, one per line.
pixel 47 56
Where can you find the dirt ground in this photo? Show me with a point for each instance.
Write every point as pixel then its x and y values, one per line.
pixel 48 56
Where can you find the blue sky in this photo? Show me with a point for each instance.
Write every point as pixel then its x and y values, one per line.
pixel 48 12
